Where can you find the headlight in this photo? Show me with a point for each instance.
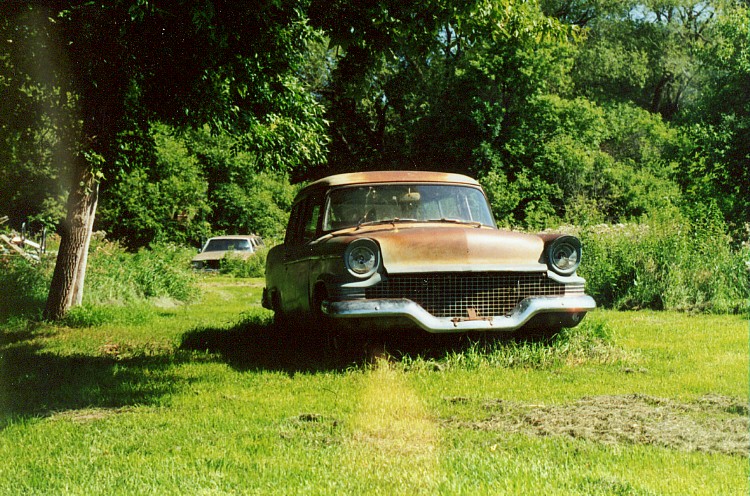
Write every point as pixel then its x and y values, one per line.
pixel 564 255
pixel 362 257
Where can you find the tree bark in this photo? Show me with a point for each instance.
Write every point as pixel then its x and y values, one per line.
pixel 81 277
pixel 66 288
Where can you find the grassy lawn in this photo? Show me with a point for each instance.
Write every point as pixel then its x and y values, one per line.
pixel 206 399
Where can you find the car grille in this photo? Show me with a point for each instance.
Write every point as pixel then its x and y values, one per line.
pixel 468 295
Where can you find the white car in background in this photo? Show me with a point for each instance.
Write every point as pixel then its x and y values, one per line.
pixel 218 247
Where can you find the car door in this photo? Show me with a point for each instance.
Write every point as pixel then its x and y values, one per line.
pixel 304 224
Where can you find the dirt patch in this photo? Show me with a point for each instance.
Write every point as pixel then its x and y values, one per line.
pixel 712 424
pixel 90 414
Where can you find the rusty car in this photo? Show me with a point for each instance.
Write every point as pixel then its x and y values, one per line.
pixel 399 249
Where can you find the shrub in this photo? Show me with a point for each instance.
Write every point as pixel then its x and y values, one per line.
pixel 114 275
pixel 666 262
pixel 253 266
pixel 25 286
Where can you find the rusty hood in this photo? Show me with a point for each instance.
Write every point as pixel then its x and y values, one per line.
pixel 457 248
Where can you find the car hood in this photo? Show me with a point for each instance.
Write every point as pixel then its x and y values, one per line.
pixel 455 248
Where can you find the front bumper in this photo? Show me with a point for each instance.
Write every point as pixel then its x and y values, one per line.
pixel 405 309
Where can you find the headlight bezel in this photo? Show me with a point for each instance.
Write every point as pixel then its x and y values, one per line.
pixel 564 255
pixel 362 258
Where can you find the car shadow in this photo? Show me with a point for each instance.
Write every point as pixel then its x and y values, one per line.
pixel 263 346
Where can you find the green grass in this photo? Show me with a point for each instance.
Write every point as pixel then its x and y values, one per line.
pixel 204 398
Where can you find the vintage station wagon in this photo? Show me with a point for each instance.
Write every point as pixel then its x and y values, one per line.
pixel 397 249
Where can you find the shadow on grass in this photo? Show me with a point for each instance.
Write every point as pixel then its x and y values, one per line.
pixel 37 383
pixel 264 346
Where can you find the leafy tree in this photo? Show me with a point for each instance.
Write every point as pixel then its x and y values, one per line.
pixel 243 196
pixel 161 200
pixel 717 138
pixel 181 62
pixel 181 187
pixel 35 119
pixel 421 85
pixel 583 162
pixel 650 53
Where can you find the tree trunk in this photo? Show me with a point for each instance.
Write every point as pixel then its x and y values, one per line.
pixel 66 289
pixel 81 277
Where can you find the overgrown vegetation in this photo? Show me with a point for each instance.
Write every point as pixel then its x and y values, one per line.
pixel 25 287
pixel 254 266
pixel 667 262
pixel 115 276
pixel 118 276
pixel 590 342
pixel 606 111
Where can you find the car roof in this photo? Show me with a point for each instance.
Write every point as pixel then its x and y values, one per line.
pixel 236 236
pixel 354 178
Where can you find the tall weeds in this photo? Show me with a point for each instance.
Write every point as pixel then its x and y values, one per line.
pixel 252 266
pixel 23 287
pixel 667 263
pixel 117 276
pixel 114 277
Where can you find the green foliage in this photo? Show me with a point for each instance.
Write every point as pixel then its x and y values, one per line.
pixel 25 286
pixel 576 160
pixel 190 186
pixel 667 262
pixel 116 276
pixel 653 53
pixel 253 266
pixel 259 204
pixel 584 113
pixel 162 201
pixel 245 82
pixel 37 122
pixel 414 88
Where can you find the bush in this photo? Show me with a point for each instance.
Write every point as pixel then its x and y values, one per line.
pixel 25 286
pixel 116 276
pixel 253 266
pixel 683 263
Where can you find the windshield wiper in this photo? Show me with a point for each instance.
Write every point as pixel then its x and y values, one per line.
pixel 457 221
pixel 384 221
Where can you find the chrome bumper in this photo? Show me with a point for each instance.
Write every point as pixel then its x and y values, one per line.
pixel 407 309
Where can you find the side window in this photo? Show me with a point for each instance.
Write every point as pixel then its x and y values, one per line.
pixel 312 214
pixel 292 229
pixel 303 222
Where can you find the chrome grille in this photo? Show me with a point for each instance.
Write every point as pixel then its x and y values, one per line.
pixel 461 295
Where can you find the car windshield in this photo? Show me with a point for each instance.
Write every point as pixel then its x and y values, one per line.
pixel 359 205
pixel 228 244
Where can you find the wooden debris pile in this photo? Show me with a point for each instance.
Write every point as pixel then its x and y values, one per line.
pixel 18 244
